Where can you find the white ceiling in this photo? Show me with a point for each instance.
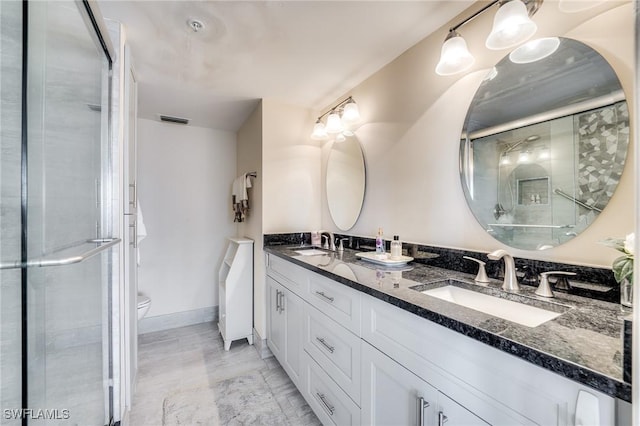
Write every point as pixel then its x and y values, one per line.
pixel 305 53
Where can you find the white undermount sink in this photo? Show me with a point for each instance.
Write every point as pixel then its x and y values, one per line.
pixel 530 316
pixel 310 252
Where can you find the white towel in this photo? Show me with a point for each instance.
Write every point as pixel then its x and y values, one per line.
pixel 141 231
pixel 246 184
pixel 240 186
pixel 240 197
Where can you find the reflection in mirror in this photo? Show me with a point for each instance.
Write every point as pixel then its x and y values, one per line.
pixel 345 182
pixel 544 146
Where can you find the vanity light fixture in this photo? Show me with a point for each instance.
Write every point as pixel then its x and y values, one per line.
pixel 512 25
pixel 339 120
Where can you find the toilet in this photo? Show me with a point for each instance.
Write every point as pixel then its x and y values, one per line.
pixel 144 303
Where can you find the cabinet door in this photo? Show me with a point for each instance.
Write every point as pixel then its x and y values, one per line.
pixel 453 414
pixel 291 308
pixel 276 321
pixel 392 395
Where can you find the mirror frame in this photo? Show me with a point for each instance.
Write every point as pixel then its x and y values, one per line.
pixel 611 95
pixel 348 220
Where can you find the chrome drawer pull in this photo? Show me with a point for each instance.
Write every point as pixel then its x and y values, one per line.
pixel 422 404
pixel 325 344
pixel 442 419
pixel 321 294
pixel 330 408
pixel 277 300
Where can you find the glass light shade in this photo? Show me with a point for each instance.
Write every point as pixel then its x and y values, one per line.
pixel 534 50
pixel 504 159
pixel 319 132
pixel 340 137
pixel 511 26
pixel 350 113
pixel 334 125
pixel 454 57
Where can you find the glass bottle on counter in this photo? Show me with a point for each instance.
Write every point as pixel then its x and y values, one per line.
pixel 379 242
pixel 396 248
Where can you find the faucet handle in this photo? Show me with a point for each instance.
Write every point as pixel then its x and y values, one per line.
pixel 481 277
pixel 544 289
pixel 342 240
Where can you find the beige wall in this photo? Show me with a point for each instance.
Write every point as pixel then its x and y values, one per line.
pixel 274 143
pixel 249 159
pixel 412 122
pixel 292 169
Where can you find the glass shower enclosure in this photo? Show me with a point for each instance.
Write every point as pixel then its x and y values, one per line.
pixel 56 223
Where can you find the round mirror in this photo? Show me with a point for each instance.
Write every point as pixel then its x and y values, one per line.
pixel 544 144
pixel 345 182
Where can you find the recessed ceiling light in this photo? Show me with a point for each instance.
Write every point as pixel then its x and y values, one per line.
pixel 195 24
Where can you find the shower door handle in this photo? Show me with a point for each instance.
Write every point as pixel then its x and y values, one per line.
pixel 106 243
pixel 134 203
pixel 134 240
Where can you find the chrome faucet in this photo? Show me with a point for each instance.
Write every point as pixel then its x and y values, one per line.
pixel 332 240
pixel 510 279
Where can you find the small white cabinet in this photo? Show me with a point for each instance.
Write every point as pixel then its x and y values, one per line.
pixel 284 318
pixel 235 292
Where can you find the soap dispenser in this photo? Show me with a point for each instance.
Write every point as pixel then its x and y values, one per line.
pixel 396 248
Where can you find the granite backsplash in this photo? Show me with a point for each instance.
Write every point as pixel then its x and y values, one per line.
pixel 595 283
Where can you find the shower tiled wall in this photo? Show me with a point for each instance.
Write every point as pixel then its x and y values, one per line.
pixel 603 139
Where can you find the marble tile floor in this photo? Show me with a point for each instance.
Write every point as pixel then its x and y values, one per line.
pixel 191 360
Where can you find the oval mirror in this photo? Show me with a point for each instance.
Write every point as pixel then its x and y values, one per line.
pixel 544 144
pixel 345 182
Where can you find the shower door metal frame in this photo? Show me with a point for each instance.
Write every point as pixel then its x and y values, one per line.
pixel 90 11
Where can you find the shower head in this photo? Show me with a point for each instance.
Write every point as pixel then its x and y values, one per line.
pixel 513 146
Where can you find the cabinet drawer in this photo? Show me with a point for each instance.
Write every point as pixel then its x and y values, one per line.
pixel 328 401
pixel 291 276
pixel 335 349
pixel 336 300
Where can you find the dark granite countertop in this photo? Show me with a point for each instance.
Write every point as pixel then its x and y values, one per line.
pixel 584 344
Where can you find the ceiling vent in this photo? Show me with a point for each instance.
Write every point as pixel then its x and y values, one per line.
pixel 175 120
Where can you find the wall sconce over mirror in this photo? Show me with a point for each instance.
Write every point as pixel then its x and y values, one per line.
pixel 340 121
pixel 512 25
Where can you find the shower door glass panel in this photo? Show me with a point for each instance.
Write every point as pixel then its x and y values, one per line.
pixel 10 226
pixel 67 306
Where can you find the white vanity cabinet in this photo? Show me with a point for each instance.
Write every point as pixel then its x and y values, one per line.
pixel 496 387
pixel 392 395
pixel 359 360
pixel 285 320
pixel 235 292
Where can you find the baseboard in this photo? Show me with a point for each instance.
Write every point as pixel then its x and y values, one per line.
pixel 178 319
pixel 261 345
